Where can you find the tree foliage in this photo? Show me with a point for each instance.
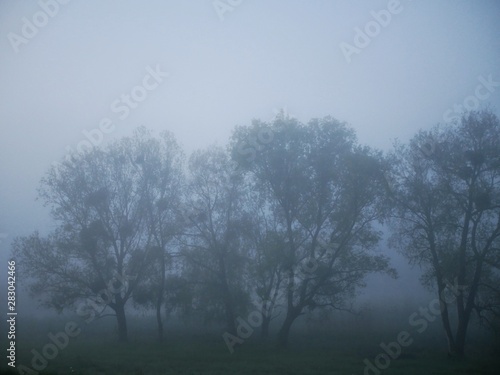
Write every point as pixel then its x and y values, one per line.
pixel 325 192
pixel 445 186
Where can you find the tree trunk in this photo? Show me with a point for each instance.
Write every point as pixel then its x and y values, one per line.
pixel 122 321
pixel 463 315
pixel 465 312
pixel 463 324
pixel 228 299
pixel 264 329
pixel 159 321
pixel 230 318
pixel 445 317
pixel 159 300
pixel 266 311
pixel 447 328
pixel 458 349
pixel 285 329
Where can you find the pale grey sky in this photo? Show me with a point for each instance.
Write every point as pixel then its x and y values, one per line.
pixel 224 70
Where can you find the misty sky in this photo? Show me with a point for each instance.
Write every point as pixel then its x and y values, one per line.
pixel 224 70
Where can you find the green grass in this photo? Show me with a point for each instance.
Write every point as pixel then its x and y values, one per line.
pixel 207 354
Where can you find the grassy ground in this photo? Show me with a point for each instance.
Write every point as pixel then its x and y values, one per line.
pixel 207 354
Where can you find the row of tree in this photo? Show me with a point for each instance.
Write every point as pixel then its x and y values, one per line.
pixel 285 218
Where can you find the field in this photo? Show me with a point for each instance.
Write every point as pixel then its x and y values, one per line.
pixel 97 352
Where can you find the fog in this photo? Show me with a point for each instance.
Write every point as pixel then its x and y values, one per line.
pixel 82 75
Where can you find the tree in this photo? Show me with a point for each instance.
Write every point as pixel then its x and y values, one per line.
pixel 267 250
pixel 214 256
pixel 445 187
pixel 98 198
pixel 326 192
pixel 160 164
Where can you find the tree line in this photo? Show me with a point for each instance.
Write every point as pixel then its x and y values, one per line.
pixel 285 217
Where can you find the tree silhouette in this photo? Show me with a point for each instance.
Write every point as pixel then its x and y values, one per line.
pixel 447 215
pixel 326 193
pixel 100 200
